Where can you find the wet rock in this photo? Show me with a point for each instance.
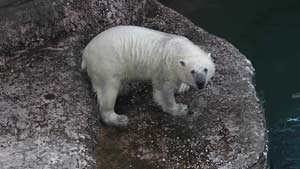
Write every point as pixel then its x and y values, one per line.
pixel 48 113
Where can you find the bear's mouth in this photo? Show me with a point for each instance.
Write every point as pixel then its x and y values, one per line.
pixel 200 80
pixel 200 85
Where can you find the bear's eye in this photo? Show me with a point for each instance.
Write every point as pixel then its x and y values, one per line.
pixel 205 70
pixel 182 63
pixel 193 72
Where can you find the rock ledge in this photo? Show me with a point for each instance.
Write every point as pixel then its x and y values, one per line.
pixel 48 111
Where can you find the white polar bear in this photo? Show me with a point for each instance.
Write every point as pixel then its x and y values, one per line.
pixel 121 53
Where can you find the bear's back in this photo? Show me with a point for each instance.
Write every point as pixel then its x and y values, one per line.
pixel 135 51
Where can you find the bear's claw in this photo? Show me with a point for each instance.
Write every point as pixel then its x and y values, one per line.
pixel 183 88
pixel 179 110
pixel 114 119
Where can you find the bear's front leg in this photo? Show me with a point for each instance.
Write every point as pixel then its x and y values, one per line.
pixel 182 87
pixel 164 96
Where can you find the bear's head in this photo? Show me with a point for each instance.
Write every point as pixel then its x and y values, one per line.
pixel 196 70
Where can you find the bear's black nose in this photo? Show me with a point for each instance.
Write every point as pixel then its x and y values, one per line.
pixel 200 85
pixel 200 80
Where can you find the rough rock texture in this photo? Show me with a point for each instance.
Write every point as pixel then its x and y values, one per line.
pixel 48 113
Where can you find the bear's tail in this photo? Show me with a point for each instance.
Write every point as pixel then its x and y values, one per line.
pixel 83 65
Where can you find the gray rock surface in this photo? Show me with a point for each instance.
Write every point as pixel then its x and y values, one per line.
pixel 48 113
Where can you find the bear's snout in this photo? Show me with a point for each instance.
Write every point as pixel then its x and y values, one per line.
pixel 200 80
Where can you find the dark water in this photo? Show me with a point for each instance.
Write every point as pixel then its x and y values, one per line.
pixel 268 33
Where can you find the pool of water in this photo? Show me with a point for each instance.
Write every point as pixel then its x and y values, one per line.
pixel 268 33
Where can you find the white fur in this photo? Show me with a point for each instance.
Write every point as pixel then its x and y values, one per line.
pixel 183 88
pixel 131 53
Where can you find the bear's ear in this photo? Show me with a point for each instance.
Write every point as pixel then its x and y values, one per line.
pixel 182 63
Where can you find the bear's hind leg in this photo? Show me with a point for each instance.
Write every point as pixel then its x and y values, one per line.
pixel 107 94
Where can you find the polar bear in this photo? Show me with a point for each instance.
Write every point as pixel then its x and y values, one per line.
pixel 124 53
